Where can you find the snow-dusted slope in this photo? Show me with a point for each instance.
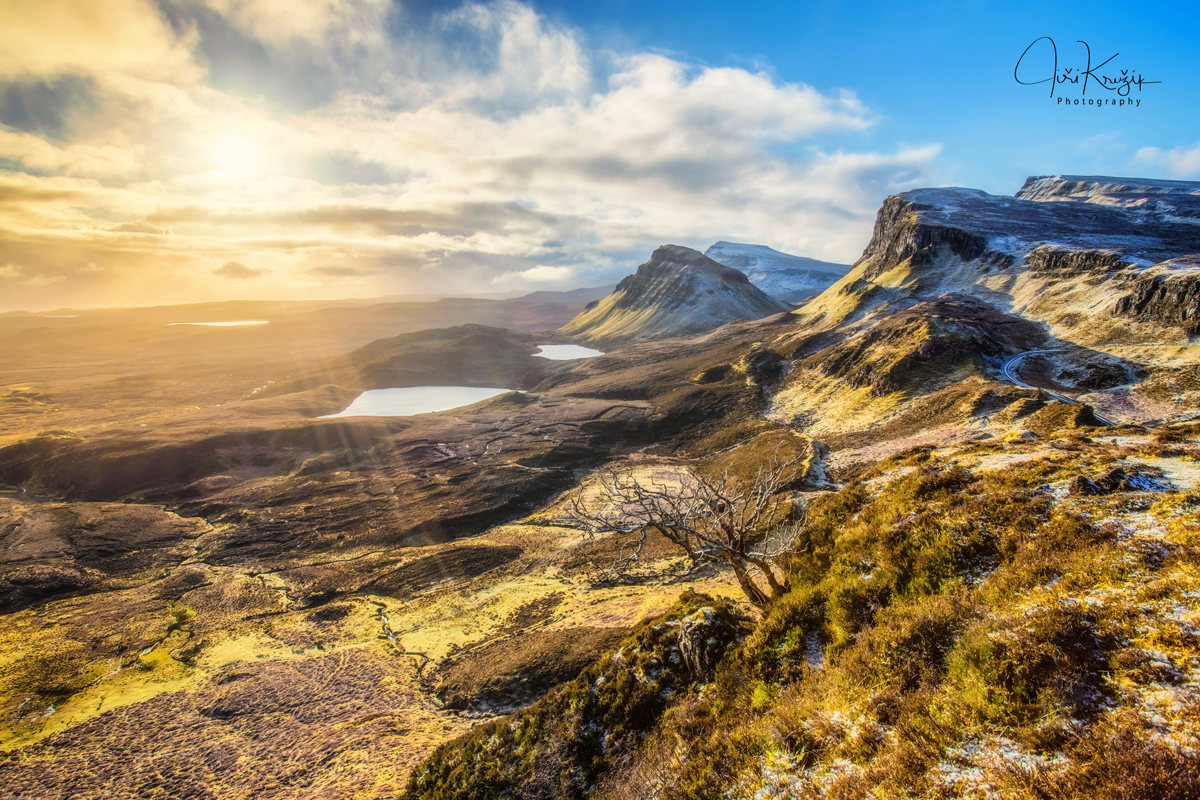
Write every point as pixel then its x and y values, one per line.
pixel 1103 190
pixel 678 291
pixel 783 276
pixel 1099 261
pixel 1098 279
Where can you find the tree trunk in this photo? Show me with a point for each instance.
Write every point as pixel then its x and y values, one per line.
pixel 754 594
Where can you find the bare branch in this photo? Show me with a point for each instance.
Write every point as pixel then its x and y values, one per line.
pixel 714 521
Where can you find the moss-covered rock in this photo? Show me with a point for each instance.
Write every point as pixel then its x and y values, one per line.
pixel 559 746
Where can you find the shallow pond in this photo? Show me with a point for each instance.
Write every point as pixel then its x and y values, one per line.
pixel 414 400
pixel 566 352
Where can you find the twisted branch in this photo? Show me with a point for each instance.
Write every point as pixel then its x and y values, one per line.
pixel 713 521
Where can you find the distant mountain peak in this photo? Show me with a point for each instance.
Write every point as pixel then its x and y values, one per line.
pixel 678 291
pixel 783 276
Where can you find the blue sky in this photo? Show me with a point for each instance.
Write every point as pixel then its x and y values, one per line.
pixel 157 151
pixel 943 71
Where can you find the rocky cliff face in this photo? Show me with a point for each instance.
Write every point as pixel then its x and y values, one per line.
pixel 1173 300
pixel 1125 192
pixel 678 291
pixel 1063 251
pixel 1101 272
pixel 901 233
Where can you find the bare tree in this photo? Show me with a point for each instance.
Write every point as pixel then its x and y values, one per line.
pixel 719 521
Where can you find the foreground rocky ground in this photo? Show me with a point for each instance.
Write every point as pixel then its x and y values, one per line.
pixel 996 620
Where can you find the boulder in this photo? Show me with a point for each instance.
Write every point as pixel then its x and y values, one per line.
pixel 1080 486
pixel 703 637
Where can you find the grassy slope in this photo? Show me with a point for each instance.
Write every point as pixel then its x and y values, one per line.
pixel 983 634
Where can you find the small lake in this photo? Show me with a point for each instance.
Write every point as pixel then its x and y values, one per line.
pixel 566 352
pixel 414 400
pixel 223 324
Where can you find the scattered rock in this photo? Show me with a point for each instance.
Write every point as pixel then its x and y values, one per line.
pixel 1111 481
pixel 703 638
pixel 1080 486
pixel 1133 481
pixel 1117 479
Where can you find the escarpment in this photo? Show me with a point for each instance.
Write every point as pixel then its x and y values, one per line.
pixel 900 234
pixel 1073 263
pixel 1164 299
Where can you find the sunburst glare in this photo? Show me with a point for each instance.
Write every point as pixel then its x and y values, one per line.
pixel 236 154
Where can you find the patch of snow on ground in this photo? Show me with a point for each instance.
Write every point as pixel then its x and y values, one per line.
pixel 1168 703
pixel 1183 474
pixel 967 767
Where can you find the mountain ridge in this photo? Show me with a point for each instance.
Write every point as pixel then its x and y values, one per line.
pixel 784 276
pixel 678 291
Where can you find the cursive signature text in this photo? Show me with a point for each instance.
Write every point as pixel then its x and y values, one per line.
pixel 1121 81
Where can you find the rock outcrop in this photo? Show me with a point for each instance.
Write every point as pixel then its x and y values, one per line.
pixel 1096 261
pixel 1117 479
pixel 678 291
pixel 703 637
pixel 1170 300
pixel 1102 190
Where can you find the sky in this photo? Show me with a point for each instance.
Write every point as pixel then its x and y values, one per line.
pixel 175 151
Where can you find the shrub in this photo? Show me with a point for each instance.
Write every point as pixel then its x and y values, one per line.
pixel 909 643
pixel 1051 658
pixel 776 650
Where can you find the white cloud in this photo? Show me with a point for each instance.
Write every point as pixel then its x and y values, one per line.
pixel 1104 144
pixel 235 270
pixel 1180 162
pixel 526 59
pixel 539 274
pixel 54 37
pixel 493 148
pixel 35 154
pixel 14 272
pixel 283 22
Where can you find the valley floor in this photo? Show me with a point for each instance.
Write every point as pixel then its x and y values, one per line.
pixel 300 700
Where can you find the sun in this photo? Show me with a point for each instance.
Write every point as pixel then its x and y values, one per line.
pixel 236 154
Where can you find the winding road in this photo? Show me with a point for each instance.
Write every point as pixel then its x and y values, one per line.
pixel 1009 374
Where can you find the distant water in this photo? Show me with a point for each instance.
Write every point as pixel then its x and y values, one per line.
pixel 566 352
pixel 414 400
pixel 223 324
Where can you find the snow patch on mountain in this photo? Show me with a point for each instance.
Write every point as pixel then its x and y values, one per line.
pixel 783 276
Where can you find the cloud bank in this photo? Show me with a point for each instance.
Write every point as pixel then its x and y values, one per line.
pixel 323 148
